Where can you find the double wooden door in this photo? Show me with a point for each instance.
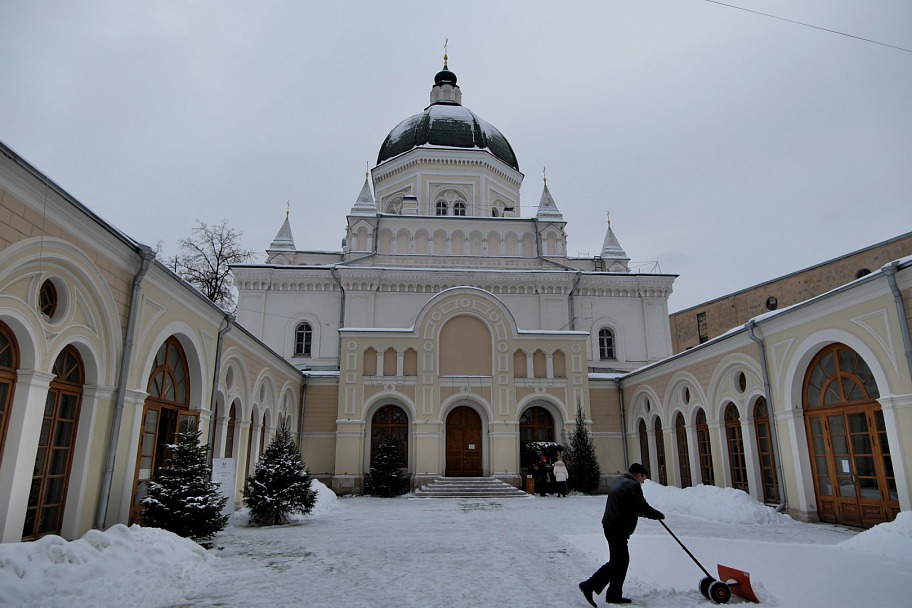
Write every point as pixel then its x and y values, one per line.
pixel 463 443
pixel 853 473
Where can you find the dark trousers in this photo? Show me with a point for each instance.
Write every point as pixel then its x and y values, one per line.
pixel 613 573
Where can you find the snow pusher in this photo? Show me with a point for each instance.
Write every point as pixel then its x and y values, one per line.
pixel 731 580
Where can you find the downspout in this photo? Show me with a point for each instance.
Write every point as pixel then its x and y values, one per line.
pixel 229 323
pixel 301 413
pixel 146 256
pixel 764 368
pixel 335 275
pixel 890 272
pixel 617 382
pixel 572 298
pixel 576 282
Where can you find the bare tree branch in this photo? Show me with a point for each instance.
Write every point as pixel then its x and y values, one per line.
pixel 205 258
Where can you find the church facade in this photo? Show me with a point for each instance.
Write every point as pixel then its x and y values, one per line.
pixel 447 319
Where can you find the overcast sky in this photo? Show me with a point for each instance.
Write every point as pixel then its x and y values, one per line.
pixel 730 148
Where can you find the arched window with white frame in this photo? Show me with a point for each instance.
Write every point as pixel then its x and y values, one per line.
pixel 606 344
pixel 303 340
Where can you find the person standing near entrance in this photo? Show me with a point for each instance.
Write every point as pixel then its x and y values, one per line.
pixel 624 505
pixel 560 477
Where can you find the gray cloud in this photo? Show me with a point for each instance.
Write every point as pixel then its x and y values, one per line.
pixel 729 147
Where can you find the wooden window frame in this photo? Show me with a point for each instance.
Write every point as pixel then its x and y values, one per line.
pixel 644 443
pixel 704 450
pixel 69 378
pixel 734 439
pixel 683 452
pixel 48 299
pixel 660 452
pixel 303 344
pixel 9 355
pixel 766 458
pixel 606 344
pixel 384 423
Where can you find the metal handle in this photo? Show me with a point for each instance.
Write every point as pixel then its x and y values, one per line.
pixel 686 550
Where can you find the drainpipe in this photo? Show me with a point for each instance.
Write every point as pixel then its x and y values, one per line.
pixel 890 272
pixel 617 382
pixel 576 282
pixel 146 256
pixel 571 299
pixel 229 323
pixel 764 368
pixel 335 275
pixel 301 413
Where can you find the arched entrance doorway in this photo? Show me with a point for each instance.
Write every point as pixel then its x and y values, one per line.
pixel 166 413
pixel 535 425
pixel 463 443
pixel 850 457
pixel 390 421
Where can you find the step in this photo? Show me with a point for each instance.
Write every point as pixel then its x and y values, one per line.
pixel 468 487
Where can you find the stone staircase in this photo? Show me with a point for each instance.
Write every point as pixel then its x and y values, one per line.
pixel 468 487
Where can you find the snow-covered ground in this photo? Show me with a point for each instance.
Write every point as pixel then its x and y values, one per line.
pixel 406 552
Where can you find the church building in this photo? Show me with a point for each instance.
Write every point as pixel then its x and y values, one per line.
pixel 451 323
pixel 448 319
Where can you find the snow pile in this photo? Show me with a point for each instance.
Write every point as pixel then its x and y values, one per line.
pixel 132 566
pixel 726 505
pixel 326 500
pixel 893 539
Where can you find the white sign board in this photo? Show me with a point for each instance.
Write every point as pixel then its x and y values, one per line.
pixel 224 473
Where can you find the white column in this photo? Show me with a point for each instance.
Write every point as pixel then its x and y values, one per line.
pixel 530 365
pixel 380 352
pixel 26 414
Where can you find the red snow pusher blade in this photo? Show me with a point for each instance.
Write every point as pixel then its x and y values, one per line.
pixel 739 582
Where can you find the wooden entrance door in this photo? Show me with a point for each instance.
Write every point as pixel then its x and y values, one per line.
pixel 853 483
pixel 463 443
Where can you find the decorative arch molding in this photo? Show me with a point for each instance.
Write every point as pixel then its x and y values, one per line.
pixel 32 350
pixel 291 327
pixel 555 407
pixel 234 361
pixel 89 316
pixel 804 351
pixel 375 402
pixel 285 407
pixel 199 370
pixel 722 388
pixel 481 405
pixel 617 329
pixel 467 300
pixel 452 193
pixel 674 393
pixel 639 410
pixel 264 391
pixel 91 362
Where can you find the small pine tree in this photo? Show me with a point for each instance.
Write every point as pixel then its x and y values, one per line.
pixel 183 498
pixel 280 484
pixel 385 477
pixel 582 463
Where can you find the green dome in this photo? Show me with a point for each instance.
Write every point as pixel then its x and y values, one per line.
pixel 448 125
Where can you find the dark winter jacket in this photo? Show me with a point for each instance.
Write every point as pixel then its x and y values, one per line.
pixel 625 504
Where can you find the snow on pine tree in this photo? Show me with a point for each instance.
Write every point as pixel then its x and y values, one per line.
pixel 183 499
pixel 385 477
pixel 280 484
pixel 582 463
